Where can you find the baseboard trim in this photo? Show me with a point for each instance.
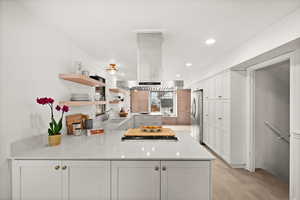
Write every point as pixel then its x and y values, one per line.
pixel 243 166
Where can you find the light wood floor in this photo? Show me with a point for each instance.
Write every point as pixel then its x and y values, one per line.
pixel 239 184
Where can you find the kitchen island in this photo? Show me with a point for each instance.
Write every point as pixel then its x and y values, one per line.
pixel 103 167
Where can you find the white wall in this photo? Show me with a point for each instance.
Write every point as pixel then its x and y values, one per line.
pixel 272 105
pixel 276 35
pixel 32 55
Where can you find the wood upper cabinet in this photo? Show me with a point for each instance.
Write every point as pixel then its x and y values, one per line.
pixel 188 180
pixel 139 101
pixel 60 180
pixel 135 180
pixel 184 106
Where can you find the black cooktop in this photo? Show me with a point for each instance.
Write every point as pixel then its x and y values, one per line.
pixel 173 138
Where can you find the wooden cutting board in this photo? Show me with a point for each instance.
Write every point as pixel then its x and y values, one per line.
pixel 139 132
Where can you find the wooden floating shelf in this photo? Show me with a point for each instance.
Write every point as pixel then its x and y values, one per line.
pixel 117 90
pixel 82 103
pixel 81 79
pixel 114 102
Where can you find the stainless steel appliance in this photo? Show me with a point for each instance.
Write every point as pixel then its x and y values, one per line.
pixel 197 115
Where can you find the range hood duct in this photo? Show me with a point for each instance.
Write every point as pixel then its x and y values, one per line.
pixel 149 65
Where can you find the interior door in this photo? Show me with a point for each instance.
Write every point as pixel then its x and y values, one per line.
pixel 86 180
pixel 135 180
pixel 38 180
pixel 185 180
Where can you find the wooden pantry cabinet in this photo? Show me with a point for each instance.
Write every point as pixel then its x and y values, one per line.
pixel 224 111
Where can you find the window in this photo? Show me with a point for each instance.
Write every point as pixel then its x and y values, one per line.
pixel 164 102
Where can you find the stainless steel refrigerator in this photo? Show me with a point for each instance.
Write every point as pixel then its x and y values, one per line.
pixel 197 115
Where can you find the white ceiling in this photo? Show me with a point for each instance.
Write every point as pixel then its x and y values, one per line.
pixel 105 28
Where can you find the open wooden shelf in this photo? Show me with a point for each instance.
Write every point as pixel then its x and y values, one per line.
pixel 81 79
pixel 114 102
pixel 81 103
pixel 117 90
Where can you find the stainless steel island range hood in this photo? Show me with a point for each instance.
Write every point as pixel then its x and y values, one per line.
pixel 149 64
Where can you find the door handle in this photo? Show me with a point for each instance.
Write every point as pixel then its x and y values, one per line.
pixel 164 168
pixel 64 167
pixel 156 168
pixel 57 167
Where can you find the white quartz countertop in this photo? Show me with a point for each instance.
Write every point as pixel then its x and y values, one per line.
pixel 110 147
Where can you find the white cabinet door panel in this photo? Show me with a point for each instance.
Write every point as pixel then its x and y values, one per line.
pixel 226 85
pixel 218 147
pixel 86 180
pixel 219 86
pixel 206 133
pixel 222 85
pixel 37 180
pixel 135 180
pixel 185 180
pixel 212 88
pixel 212 137
pixel 212 113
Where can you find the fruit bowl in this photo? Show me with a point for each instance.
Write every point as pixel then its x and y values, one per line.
pixel 151 128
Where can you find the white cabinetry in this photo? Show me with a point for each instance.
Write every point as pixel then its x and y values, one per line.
pixel 60 180
pixel 86 180
pixel 105 180
pixel 190 175
pixel 34 180
pixel 165 180
pixel 224 116
pixel 136 180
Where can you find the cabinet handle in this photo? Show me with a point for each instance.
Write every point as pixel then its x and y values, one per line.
pixel 220 96
pixel 220 118
pixel 156 168
pixel 57 167
pixel 164 168
pixel 64 167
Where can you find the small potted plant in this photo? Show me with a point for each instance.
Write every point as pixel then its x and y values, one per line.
pixel 54 134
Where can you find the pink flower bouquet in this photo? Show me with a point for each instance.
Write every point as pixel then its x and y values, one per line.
pixel 54 126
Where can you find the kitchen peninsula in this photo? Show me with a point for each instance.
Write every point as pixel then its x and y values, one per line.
pixel 103 167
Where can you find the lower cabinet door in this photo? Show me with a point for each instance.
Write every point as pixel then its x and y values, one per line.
pixel 135 180
pixel 36 180
pixel 185 180
pixel 86 180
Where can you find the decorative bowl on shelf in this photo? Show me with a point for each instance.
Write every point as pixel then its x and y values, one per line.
pixel 123 114
pixel 151 128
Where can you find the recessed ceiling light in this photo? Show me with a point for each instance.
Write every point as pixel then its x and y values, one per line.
pixel 177 75
pixel 188 64
pixel 210 41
